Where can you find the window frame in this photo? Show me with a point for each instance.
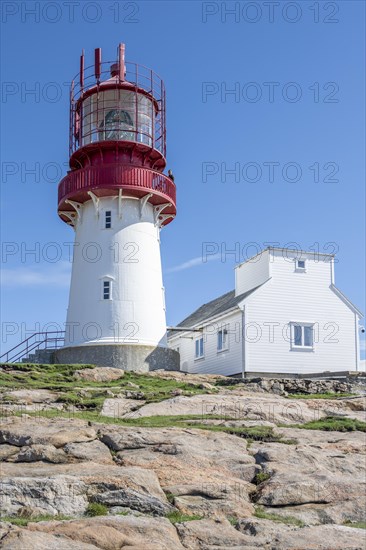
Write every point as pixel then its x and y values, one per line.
pixel 108 219
pixel 302 346
pixel 300 269
pixel 224 340
pixel 104 283
pixel 201 348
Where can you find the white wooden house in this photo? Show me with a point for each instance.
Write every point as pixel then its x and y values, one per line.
pixel 285 315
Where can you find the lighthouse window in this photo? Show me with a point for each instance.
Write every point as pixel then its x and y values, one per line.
pixel 108 219
pixel 106 290
pixel 114 115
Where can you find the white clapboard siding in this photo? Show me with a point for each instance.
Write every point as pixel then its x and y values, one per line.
pixel 214 361
pixel 292 296
pixel 252 273
pixel 284 295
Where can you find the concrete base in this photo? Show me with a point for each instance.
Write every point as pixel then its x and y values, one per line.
pixel 122 356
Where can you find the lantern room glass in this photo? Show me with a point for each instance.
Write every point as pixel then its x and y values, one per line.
pixel 117 115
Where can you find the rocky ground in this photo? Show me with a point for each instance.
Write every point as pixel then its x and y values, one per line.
pixel 101 459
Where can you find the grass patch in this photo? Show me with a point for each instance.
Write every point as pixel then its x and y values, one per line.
pixel 96 509
pixel 23 522
pixel 288 520
pixel 329 395
pixel 61 378
pixel 356 524
pixel 261 477
pixel 232 520
pixel 178 517
pixel 94 400
pixel 334 424
pixel 250 433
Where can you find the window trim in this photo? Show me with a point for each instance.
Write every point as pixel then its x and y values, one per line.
pixel 225 341
pixel 108 214
pixel 300 269
pixel 201 356
pixel 302 347
pixel 104 281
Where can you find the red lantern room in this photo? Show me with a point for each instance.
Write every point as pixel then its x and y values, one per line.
pixel 117 137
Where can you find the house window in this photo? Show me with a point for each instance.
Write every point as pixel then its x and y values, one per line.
pixel 222 340
pixel 106 290
pixel 108 219
pixel 302 336
pixel 300 265
pixel 198 351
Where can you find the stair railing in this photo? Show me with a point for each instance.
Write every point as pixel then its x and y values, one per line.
pixel 33 342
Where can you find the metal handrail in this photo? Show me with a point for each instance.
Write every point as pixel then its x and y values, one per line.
pixel 31 346
pixel 141 77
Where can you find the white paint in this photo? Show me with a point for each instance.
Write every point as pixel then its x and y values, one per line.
pixel 214 361
pixel 287 296
pixel 128 255
pixel 252 273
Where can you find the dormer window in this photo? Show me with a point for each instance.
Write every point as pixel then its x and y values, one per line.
pixel 300 265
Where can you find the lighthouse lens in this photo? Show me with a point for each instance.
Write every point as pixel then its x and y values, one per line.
pixel 118 125
pixel 118 115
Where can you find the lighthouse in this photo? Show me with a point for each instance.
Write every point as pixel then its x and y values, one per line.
pixel 117 199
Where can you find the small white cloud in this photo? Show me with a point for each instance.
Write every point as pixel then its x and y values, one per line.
pixel 57 274
pixel 193 263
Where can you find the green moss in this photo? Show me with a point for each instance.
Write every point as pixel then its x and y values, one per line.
pixel 334 424
pixel 356 524
pixel 261 477
pixel 178 517
pixel 329 395
pixel 96 509
pixel 60 378
pixel 288 520
pixel 250 433
pixel 94 400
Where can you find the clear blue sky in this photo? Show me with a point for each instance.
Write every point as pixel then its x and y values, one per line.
pixel 318 46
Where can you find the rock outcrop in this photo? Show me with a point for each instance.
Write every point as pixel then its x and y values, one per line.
pixel 228 468
pixel 99 374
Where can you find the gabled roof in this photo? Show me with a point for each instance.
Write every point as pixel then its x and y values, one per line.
pixel 216 307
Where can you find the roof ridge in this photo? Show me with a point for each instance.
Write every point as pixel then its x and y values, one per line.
pixel 205 305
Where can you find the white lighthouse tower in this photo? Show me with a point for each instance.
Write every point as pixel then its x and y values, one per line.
pixel 117 200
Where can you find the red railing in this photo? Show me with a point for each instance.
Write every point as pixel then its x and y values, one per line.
pixel 139 75
pixel 117 176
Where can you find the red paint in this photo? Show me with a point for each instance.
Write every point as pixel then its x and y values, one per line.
pixel 134 164
pixel 97 62
pixel 133 180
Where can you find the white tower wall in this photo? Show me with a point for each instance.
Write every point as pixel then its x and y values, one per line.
pixel 127 255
